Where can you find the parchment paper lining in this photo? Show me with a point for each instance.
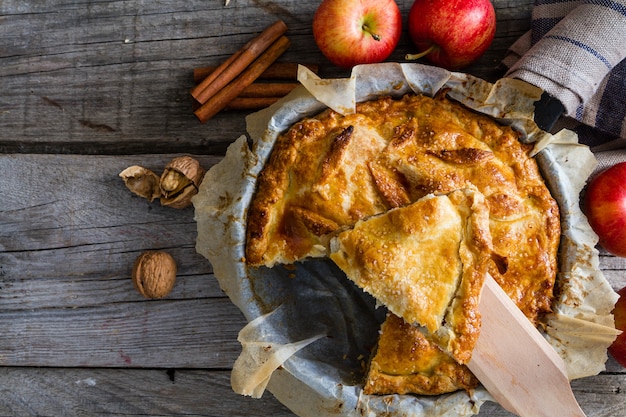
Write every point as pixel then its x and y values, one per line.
pixel 336 321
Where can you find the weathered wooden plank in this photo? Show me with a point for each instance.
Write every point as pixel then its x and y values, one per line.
pixel 70 222
pixel 172 333
pixel 18 292
pixel 617 277
pixel 77 75
pixel 85 392
pixel 120 392
pixel 613 268
pixel 188 333
pixel 69 233
pixel 113 77
pixel 77 209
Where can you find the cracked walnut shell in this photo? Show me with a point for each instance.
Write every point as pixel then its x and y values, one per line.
pixel 154 274
pixel 142 182
pixel 180 181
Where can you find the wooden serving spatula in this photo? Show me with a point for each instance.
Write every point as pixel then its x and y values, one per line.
pixel 516 364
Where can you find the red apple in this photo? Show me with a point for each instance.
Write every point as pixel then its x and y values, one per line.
pixel 605 207
pixel 352 32
pixel 451 33
pixel 618 348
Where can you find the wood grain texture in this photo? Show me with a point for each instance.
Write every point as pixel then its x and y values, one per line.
pixel 175 392
pixel 89 87
pixel 114 77
pixel 87 392
pixel 71 231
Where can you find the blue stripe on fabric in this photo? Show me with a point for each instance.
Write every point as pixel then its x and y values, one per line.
pixel 583 47
pixel 618 7
pixel 612 108
pixel 580 112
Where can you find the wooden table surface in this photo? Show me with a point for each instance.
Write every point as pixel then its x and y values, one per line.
pixel 88 88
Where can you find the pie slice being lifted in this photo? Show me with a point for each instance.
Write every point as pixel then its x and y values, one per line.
pixel 426 262
pixel 329 171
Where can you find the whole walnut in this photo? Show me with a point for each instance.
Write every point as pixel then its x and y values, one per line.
pixel 154 274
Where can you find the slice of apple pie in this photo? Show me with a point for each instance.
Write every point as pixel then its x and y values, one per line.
pixel 426 262
pixel 406 362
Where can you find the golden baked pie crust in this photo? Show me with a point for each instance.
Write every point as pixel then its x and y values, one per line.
pixel 405 362
pixel 323 175
pixel 426 262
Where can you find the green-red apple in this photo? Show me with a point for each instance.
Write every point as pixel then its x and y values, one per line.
pixel 451 33
pixel 605 207
pixel 352 32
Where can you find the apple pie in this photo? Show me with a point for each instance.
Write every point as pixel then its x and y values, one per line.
pixel 329 171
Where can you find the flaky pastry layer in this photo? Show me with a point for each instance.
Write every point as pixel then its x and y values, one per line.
pixel 426 262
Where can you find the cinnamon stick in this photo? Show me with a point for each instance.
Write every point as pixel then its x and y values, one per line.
pixel 211 77
pixel 257 96
pixel 260 91
pixel 237 63
pixel 276 71
pixel 220 99
pixel 256 90
pixel 251 103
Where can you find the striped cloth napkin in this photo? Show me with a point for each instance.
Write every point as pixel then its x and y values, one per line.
pixel 576 52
